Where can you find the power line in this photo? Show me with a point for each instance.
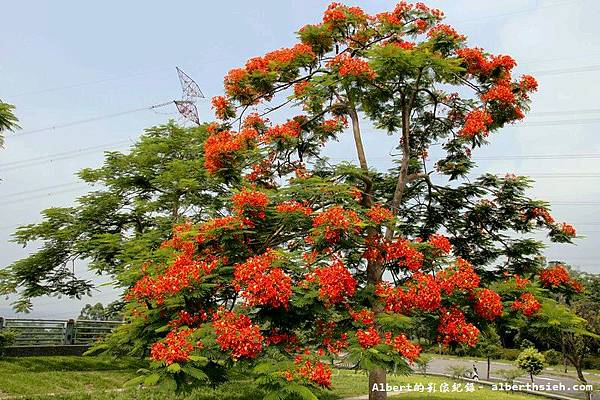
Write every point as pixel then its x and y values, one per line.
pixel 87 120
pixel 39 189
pixel 61 155
pixel 49 194
pixel 539 157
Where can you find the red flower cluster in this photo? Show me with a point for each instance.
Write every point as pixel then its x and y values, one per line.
pixel 291 129
pixel 478 63
pixel 182 274
pixel 174 348
pixel 261 283
pixel 409 350
pixel 501 92
pixel 380 215
pixel 368 338
pixel 300 88
pixel 334 222
pixel 476 122
pixel 253 120
pixel 350 66
pixel 220 149
pixel 528 83
pixel 338 13
pixel 251 203
pixel 184 318
pixel 336 283
pixel 440 242
pixel 364 316
pixel 543 213
pixel 527 304
pixel 222 107
pixel 445 30
pixel 405 255
pixel 316 372
pixel 488 304
pixel 236 333
pixel 423 292
pixel 454 329
pixel 293 207
pixel 334 125
pixel 281 58
pixel 568 230
pixel 462 277
pixel 556 276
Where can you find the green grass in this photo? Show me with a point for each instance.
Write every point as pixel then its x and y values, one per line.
pixel 101 378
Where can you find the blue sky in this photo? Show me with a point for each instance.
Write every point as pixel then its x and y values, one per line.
pixel 64 61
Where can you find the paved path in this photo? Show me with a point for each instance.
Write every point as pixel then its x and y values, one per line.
pixel 440 365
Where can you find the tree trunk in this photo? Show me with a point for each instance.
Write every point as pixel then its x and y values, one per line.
pixel 531 376
pixel 564 351
pixel 488 369
pixel 377 381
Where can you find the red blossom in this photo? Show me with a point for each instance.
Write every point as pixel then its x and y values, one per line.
pixel 556 276
pixel 350 66
pixel 174 348
pixel 440 242
pixel 334 222
pixel 291 129
pixel 405 255
pixel 461 277
pixel 236 333
pixel 409 350
pixel 527 304
pixel 445 30
pixel 568 229
pixel 454 329
pixel 368 337
pixel 293 206
pixel 336 283
pixel 364 316
pixel 488 304
pixel 476 122
pixel 380 215
pixel 501 92
pixel 261 283
pixel 250 202
pixel 222 107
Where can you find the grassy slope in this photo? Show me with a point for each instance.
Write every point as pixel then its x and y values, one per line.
pixel 96 378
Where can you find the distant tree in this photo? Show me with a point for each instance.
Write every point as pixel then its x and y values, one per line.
pixel 8 121
pixel 531 361
pixel 140 196
pixel 97 312
pixel 489 345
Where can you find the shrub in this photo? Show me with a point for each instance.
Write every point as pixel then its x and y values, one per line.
pixel 509 354
pixel 457 371
pixel 525 344
pixel 423 363
pixel 7 337
pixel 510 374
pixel 553 357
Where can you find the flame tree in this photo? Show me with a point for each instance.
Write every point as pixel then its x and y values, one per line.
pixel 309 261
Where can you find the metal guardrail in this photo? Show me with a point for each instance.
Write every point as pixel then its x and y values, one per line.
pixel 56 332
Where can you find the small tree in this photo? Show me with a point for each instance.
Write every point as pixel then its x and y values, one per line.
pixel 8 121
pixel 112 312
pixel 423 363
pixel 531 361
pixel 489 345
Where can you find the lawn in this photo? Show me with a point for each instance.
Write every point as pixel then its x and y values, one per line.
pixel 101 378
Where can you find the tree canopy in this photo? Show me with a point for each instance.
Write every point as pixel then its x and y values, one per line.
pixel 8 120
pixel 296 260
pixel 138 198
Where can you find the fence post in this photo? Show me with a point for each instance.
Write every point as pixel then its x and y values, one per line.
pixel 1 322
pixel 70 332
